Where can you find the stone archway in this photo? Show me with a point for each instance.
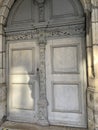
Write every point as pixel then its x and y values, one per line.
pixel 5 7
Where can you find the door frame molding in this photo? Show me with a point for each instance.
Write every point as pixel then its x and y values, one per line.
pixel 41 36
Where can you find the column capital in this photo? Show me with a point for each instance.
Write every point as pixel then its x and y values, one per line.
pixel 40 1
pixel 42 37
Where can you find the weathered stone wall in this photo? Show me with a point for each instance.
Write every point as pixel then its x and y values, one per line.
pixel 92 61
pixel 4 10
pixel 91 10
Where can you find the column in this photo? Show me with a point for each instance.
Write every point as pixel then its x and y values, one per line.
pixel 42 103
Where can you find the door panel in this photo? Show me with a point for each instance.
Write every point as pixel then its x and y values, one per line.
pixel 65 79
pixel 22 81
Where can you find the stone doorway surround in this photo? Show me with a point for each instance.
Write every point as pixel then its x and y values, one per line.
pixel 91 12
pixel 41 36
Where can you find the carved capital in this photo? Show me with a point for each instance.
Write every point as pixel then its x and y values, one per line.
pixel 41 37
pixel 40 1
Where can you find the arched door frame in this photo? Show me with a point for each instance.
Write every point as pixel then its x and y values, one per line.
pixel 4 11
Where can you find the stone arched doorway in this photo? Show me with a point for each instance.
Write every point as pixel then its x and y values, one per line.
pixel 51 30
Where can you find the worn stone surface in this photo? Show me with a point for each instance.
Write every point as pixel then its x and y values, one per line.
pixel 25 126
pixel 87 6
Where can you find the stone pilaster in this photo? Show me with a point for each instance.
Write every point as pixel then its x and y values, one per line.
pixel 2 75
pixel 42 103
pixel 92 95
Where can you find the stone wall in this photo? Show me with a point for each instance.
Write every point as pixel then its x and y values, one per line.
pixel 92 51
pixel 91 10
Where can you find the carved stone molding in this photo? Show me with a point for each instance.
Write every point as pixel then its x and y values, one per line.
pixel 64 31
pixel 41 5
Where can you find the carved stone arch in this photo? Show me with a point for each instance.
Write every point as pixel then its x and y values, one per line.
pixel 7 4
pixel 4 12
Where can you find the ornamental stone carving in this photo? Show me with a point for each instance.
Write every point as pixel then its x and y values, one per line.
pixel 40 4
pixel 42 103
pixel 64 31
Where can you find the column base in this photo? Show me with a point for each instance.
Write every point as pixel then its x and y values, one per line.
pixel 42 112
pixel 43 122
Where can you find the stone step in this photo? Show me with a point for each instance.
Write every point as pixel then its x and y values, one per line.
pixel 25 126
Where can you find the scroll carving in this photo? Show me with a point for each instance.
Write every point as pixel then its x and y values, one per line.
pixel 64 31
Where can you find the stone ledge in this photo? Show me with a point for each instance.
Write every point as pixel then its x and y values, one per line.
pixel 25 126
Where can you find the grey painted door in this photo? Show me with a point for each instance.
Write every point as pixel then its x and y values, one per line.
pixel 22 81
pixel 66 82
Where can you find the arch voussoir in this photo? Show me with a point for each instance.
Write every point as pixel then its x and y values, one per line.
pixel 8 3
pixel 4 11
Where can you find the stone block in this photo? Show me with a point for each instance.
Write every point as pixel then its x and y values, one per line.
pixel 2 20
pixel 3 94
pixel 90 114
pixel 1 30
pixel 89 56
pixel 2 76
pixel 8 3
pixel 90 99
pixel 1 61
pixel 96 84
pixel 4 11
pixel 96 102
pixel 95 52
pixel 2 109
pixel 1 1
pixel 90 74
pixel 94 33
pixel 96 118
pixel 91 82
pixel 3 103
pixel 4 60
pixel 2 43
pixel 91 125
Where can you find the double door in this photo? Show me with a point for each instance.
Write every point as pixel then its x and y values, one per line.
pixel 65 81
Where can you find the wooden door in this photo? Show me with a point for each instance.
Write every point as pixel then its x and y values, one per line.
pixel 22 81
pixel 66 82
